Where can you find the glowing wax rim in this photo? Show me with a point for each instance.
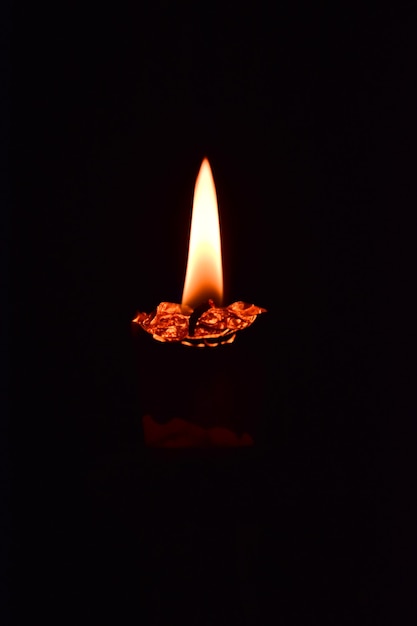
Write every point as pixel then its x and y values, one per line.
pixel 170 323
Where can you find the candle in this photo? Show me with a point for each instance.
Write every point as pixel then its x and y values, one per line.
pixel 195 398
pixel 200 320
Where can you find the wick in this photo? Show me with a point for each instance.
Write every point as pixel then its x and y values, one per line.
pixel 197 313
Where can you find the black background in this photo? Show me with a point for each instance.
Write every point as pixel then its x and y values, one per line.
pixel 304 113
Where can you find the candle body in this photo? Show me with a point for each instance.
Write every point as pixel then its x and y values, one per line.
pixel 198 397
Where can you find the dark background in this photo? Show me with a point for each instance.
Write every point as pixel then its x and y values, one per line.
pixel 304 113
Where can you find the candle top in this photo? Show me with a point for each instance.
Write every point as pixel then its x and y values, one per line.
pixel 175 323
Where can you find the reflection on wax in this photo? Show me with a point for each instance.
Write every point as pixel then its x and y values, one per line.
pixel 179 433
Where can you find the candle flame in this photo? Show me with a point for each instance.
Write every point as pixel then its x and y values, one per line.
pixel 204 275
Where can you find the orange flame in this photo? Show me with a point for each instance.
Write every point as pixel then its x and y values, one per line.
pixel 204 275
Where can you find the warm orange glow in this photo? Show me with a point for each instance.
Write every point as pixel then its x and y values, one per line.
pixel 204 275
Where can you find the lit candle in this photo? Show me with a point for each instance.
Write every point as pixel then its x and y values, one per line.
pixel 195 398
pixel 201 320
